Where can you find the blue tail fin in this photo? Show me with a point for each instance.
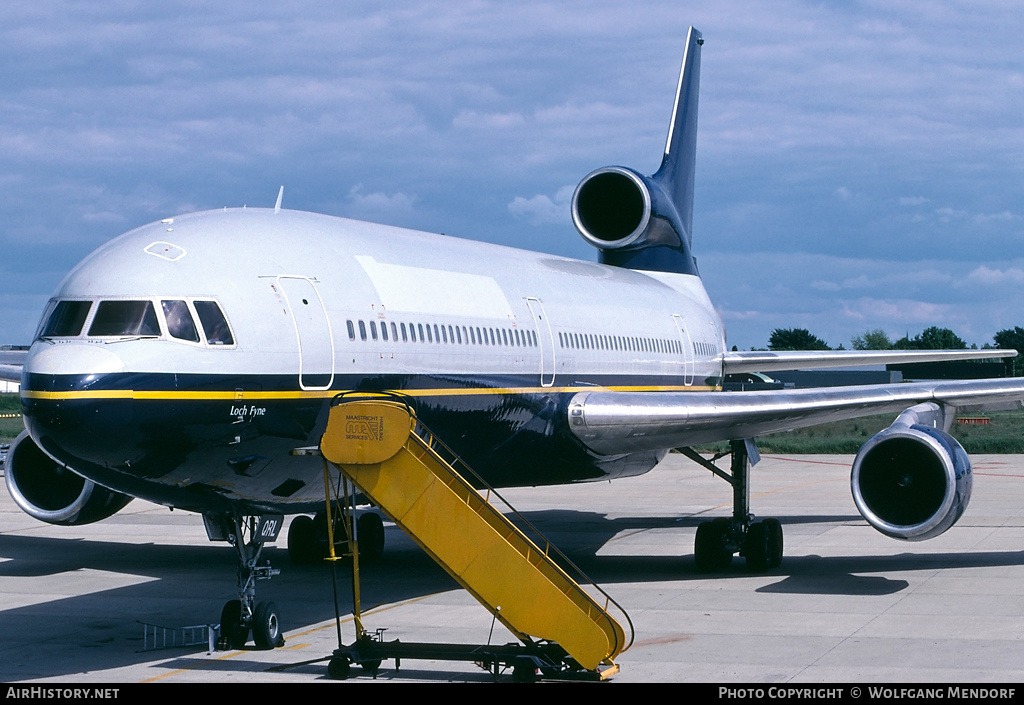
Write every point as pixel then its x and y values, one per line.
pixel 646 222
pixel 680 161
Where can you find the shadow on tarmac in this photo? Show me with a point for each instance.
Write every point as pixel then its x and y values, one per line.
pixel 185 585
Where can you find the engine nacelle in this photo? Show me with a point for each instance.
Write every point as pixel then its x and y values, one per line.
pixel 611 207
pixel 646 222
pixel 51 492
pixel 632 220
pixel 911 481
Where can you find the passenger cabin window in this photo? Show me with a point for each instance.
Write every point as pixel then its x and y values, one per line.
pixel 125 318
pixel 67 319
pixel 179 321
pixel 214 324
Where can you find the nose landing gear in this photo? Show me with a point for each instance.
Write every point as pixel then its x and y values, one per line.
pixel 248 534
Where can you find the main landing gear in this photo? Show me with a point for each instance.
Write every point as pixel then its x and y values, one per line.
pixel 760 542
pixel 248 535
pixel 308 538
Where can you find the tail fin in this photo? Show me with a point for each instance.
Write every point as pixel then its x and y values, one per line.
pixel 645 222
pixel 676 174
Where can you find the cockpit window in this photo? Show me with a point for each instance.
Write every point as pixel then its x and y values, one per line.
pixel 214 323
pixel 179 321
pixel 125 318
pixel 67 319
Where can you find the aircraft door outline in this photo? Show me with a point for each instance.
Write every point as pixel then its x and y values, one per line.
pixel 312 331
pixel 684 337
pixel 546 340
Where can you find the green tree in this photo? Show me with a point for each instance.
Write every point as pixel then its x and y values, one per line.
pixel 876 339
pixel 795 339
pixel 1011 339
pixel 933 338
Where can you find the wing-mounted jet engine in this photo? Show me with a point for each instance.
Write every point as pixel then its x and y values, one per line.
pixel 913 480
pixel 645 222
pixel 48 491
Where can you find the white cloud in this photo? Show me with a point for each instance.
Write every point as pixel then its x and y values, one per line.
pixel 379 203
pixel 859 282
pixel 897 311
pixel 542 209
pixel 103 217
pixel 947 214
pixel 1005 216
pixel 836 297
pixel 822 285
pixel 913 201
pixel 471 119
pixel 744 315
pixel 814 118
pixel 987 276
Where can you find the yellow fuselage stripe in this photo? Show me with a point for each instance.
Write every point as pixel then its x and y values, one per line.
pixel 141 395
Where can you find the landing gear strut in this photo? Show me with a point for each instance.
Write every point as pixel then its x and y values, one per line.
pixel 248 535
pixel 308 538
pixel 760 542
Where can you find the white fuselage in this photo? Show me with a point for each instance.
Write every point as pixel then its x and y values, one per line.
pixel 318 305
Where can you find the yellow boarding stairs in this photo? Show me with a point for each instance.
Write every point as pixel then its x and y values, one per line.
pixel 397 464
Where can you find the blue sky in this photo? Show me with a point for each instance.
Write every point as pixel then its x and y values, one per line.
pixel 860 164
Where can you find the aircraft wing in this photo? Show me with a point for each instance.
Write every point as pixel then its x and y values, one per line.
pixel 771 361
pixel 612 423
pixel 11 362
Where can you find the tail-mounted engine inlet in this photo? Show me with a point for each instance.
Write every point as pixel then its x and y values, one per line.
pixel 644 222
pixel 612 207
pixel 631 219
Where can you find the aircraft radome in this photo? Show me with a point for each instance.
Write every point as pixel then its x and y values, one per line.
pixel 190 361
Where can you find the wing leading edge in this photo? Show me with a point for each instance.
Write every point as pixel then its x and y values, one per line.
pixel 11 362
pixel 768 361
pixel 610 423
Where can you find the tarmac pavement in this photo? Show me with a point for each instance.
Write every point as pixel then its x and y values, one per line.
pixel 847 605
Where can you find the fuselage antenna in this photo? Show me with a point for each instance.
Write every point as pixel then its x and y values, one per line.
pixel 280 195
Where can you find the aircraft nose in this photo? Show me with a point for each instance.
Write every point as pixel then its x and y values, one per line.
pixel 69 363
pixel 66 393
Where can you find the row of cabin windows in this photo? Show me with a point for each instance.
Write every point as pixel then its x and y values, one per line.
pixel 441 333
pixel 591 341
pixel 121 318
